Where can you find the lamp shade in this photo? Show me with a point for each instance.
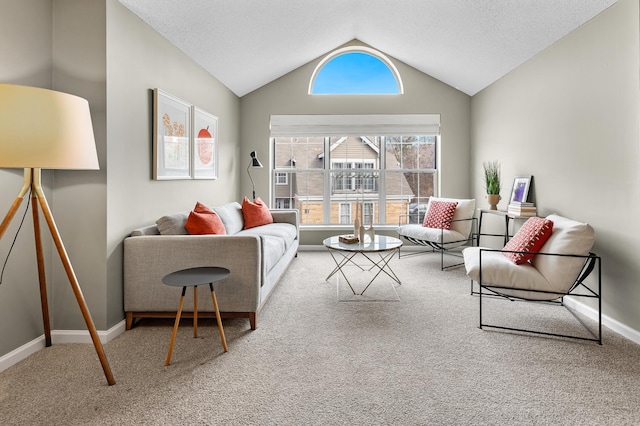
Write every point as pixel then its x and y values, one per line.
pixel 45 129
pixel 254 160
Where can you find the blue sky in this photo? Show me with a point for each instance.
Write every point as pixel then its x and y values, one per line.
pixel 355 73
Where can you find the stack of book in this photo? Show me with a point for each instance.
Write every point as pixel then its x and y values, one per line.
pixel 348 239
pixel 517 208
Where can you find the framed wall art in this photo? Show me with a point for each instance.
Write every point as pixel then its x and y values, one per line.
pixel 520 190
pixel 204 145
pixel 171 137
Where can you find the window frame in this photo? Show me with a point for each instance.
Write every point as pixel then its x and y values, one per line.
pixel 379 195
pixel 356 49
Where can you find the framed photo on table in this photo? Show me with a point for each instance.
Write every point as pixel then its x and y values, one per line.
pixel 205 145
pixel 171 137
pixel 520 190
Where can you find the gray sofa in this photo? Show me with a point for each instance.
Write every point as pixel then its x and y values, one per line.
pixel 257 258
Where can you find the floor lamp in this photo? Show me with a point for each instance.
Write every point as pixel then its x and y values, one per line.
pixel 44 129
pixel 254 163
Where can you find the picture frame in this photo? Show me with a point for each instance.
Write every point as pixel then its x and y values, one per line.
pixel 171 137
pixel 520 190
pixel 204 145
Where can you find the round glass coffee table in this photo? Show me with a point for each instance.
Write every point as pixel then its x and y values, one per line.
pixel 381 245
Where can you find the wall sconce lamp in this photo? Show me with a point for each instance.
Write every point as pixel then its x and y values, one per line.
pixel 44 129
pixel 254 163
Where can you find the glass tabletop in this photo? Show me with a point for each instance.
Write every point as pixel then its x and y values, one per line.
pixel 379 243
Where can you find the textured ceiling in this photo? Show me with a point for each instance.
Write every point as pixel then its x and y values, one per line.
pixel 467 44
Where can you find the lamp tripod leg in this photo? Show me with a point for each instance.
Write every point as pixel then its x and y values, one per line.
pixel 41 271
pixel 12 211
pixel 76 287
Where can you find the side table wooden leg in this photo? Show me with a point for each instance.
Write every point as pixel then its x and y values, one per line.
pixel 175 327
pixel 195 311
pixel 215 307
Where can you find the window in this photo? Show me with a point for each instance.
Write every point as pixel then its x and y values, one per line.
pixel 281 179
pixel 388 173
pixel 345 213
pixel 367 213
pixel 283 203
pixel 355 70
pixel 349 176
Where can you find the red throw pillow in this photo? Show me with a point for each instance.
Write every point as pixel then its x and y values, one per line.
pixel 440 214
pixel 255 213
pixel 202 221
pixel 530 238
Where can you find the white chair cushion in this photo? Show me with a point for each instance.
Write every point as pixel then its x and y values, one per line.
pixel 435 235
pixel 568 237
pixel 464 210
pixel 498 270
pixel 544 273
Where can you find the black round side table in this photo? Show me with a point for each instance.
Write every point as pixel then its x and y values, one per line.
pixel 193 277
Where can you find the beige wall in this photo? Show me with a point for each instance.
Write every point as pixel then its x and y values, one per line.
pixel 138 60
pixel 99 50
pixel 26 60
pixel 570 117
pixel 423 94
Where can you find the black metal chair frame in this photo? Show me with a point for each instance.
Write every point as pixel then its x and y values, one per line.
pixel 442 247
pixel 578 289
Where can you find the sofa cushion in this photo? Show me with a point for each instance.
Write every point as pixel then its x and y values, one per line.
pixel 439 214
pixel 286 231
pixel 529 238
pixel 202 221
pixel 273 248
pixel 173 224
pixel 255 213
pixel 231 216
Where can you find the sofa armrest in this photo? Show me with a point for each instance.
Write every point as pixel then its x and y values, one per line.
pixel 287 216
pixel 147 259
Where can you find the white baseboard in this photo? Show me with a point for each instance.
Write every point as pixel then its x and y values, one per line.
pixel 58 337
pixel 18 354
pixel 83 336
pixel 610 323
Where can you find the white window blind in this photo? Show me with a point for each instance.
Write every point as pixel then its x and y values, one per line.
pixel 354 125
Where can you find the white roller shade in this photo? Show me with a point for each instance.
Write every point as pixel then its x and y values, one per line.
pixel 355 125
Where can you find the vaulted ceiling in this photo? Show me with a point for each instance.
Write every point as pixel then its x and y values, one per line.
pixel 467 44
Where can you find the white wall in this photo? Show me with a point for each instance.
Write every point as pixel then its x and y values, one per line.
pixel 139 60
pixel 423 94
pixel 99 50
pixel 570 117
pixel 26 60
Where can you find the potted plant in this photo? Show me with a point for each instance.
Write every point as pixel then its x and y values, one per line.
pixel 492 183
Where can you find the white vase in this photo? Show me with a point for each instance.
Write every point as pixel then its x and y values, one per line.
pixel 370 232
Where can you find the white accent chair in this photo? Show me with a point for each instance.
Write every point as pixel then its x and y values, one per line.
pixel 439 240
pixel 558 269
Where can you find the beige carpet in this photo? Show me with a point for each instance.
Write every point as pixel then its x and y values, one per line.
pixel 317 361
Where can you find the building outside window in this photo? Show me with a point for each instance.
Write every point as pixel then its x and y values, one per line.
pixel 281 179
pixel 387 175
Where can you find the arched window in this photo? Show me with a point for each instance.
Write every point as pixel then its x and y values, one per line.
pixel 355 70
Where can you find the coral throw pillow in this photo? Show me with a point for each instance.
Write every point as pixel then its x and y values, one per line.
pixel 530 238
pixel 202 220
pixel 255 213
pixel 440 214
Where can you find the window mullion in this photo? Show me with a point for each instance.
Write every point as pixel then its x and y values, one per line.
pixel 326 192
pixel 382 180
